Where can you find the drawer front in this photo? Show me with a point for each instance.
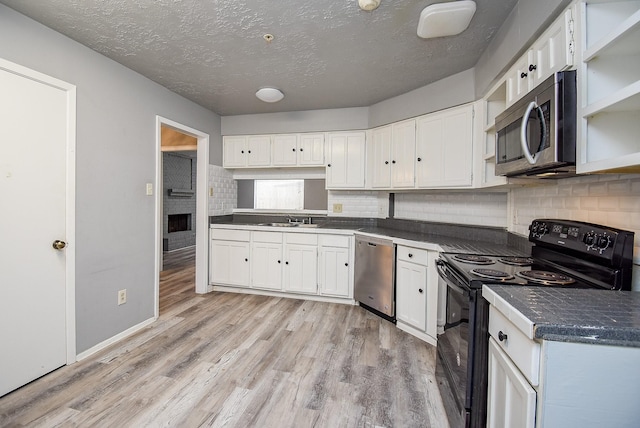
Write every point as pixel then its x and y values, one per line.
pixel 301 238
pixel 231 235
pixel 269 237
pixel 524 352
pixel 340 241
pixel 413 255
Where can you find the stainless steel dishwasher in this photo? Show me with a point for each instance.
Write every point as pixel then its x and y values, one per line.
pixel 375 275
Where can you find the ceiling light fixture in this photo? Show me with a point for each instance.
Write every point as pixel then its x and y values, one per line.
pixel 270 95
pixel 368 5
pixel 445 19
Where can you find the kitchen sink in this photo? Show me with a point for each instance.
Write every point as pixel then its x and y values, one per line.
pixel 280 224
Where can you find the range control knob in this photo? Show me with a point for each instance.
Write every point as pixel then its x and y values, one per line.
pixel 539 229
pixel 603 242
pixel 589 238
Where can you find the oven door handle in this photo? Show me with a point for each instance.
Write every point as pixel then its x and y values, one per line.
pixel 452 281
pixel 532 158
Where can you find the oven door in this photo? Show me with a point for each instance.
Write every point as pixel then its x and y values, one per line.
pixel 454 343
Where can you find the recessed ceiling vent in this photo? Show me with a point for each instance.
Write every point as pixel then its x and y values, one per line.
pixel 445 19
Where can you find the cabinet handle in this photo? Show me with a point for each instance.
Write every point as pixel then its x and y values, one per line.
pixel 386 162
pixel 523 75
pixel 419 159
pixel 501 336
pixel 532 67
pixel 420 290
pixel 393 161
pixel 293 150
pixel 410 255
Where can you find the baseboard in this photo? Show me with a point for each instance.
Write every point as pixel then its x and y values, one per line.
pixel 128 332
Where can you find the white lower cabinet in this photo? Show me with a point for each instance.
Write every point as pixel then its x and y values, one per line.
pixel 417 292
pixel 335 266
pixel 511 400
pixel 266 260
pixel 300 268
pixel 229 257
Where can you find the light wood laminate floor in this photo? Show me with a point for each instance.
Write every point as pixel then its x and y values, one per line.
pixel 232 360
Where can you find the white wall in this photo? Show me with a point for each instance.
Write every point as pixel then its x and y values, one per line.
pixel 116 157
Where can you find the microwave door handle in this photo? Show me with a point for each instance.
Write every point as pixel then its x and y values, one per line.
pixel 523 134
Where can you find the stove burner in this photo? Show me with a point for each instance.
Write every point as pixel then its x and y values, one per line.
pixel 545 277
pixel 472 259
pixel 492 274
pixel 517 261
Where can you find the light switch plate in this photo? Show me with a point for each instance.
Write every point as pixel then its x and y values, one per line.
pixel 149 189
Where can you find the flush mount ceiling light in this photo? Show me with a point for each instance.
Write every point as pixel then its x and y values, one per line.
pixel 368 5
pixel 270 95
pixel 445 19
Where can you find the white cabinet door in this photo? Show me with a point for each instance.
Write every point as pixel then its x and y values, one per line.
pixel 235 151
pixel 266 265
pixel 551 52
pixel 229 263
pixel 379 158
pixel 334 271
pixel 346 160
pixel 311 150
pixel 511 400
pixel 444 148
pixel 519 80
pixel 258 150
pixel 403 151
pixel 285 150
pixel 411 292
pixel 301 268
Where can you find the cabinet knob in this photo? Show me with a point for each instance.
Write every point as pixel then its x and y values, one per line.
pixel 419 159
pixel 293 150
pixel 532 67
pixel 300 149
pixel 248 151
pixel 241 151
pixel 523 75
pixel 329 165
pixel 346 264
pixel 246 260
pixel 286 263
pixel 502 336
pixel 393 161
pixel 420 290
pixel 278 261
pixel 410 255
pixel 386 162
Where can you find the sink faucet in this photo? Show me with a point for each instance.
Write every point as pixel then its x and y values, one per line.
pixel 291 219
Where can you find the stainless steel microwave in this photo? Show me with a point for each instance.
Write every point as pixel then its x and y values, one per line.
pixel 536 136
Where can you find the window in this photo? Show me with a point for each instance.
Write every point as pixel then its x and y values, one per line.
pixel 279 194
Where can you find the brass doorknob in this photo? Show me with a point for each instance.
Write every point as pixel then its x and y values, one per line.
pixel 59 245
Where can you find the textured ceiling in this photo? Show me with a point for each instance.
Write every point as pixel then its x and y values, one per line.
pixel 326 54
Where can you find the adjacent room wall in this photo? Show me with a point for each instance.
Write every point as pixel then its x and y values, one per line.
pixel 116 157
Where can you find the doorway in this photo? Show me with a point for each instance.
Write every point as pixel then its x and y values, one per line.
pixel 198 144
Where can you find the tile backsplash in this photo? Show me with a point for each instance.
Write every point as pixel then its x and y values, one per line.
pixel 225 191
pixel 366 204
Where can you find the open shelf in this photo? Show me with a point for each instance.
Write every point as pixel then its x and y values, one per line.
pixel 622 40
pixel 626 99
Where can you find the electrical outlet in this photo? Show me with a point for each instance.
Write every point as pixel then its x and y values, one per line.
pixel 337 208
pixel 149 189
pixel 210 191
pixel 122 297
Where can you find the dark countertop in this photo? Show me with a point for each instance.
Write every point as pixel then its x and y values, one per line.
pixel 577 315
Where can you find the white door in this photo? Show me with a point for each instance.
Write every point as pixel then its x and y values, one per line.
pixel 403 154
pixel 411 281
pixel 33 168
pixel 334 271
pixel 379 157
pixel 301 268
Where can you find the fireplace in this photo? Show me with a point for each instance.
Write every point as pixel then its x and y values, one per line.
pixel 179 222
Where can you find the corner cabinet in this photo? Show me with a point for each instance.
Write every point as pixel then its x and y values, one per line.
pixel 610 87
pixel 444 148
pixel 345 160
pixel 417 292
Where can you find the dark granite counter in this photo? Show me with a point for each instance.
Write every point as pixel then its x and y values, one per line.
pixel 577 315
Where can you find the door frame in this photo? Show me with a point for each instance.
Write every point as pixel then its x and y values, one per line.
pixel 202 209
pixel 70 196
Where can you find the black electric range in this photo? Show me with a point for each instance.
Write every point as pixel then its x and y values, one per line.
pixel 565 254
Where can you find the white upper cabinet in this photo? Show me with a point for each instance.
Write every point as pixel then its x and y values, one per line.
pixel 444 148
pixel 241 151
pixel 345 160
pixel 553 51
pixel 403 150
pixel 311 150
pixel 609 95
pixel 391 156
pixel 285 150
